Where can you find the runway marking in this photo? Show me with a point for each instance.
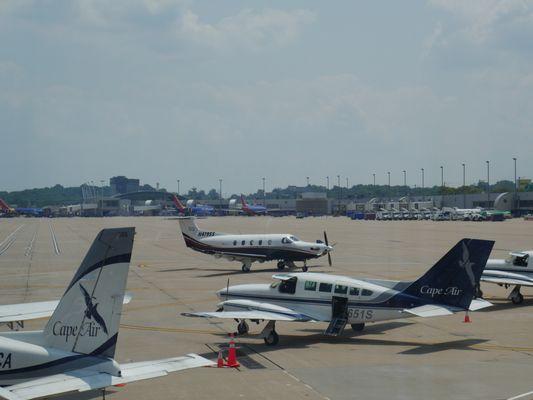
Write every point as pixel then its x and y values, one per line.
pixel 57 250
pixel 521 396
pixel 29 248
pixel 8 241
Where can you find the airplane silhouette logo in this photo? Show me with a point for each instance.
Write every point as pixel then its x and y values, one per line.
pixel 467 265
pixel 91 312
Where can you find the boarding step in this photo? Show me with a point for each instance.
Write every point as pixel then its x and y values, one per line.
pixel 336 326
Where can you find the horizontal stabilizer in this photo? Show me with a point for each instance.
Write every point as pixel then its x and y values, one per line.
pixel 85 379
pixel 479 304
pixel 429 310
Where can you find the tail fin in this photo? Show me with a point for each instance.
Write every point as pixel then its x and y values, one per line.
pixel 243 202
pixel 189 229
pixel 177 203
pixel 454 279
pixel 4 206
pixel 87 318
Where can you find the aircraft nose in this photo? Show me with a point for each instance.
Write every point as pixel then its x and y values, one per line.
pixel 222 293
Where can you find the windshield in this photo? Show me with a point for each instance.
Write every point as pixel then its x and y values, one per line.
pixel 294 239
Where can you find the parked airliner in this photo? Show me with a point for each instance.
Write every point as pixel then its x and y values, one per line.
pixel 252 209
pixel 448 287
pixel 516 270
pixel 74 352
pixel 249 248
pixel 201 210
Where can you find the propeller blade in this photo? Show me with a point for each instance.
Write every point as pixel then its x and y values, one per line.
pixel 227 290
pixel 329 259
pixel 326 238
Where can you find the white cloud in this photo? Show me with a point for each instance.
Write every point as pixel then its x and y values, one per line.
pixel 247 29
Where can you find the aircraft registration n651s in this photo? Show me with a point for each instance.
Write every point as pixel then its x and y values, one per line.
pixel 249 248
pixel 448 287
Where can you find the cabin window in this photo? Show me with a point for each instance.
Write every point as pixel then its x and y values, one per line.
pixel 260 243
pixel 310 285
pixel 269 242
pixel 243 242
pixel 288 286
pixel 325 287
pixel 235 243
pixel 367 292
pixel 251 242
pixel 341 289
pixel 354 291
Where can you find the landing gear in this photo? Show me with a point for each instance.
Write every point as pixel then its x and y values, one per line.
pixel 290 264
pixel 281 265
pixel 243 328
pixel 478 293
pixel 515 296
pixel 358 327
pixel 246 266
pixel 304 268
pixel 271 339
pixel 269 334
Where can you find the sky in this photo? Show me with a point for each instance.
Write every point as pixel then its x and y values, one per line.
pixel 239 90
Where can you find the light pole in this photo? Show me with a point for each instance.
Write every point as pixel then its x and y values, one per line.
pixel 517 201
pixel 374 180
pixel 405 178
pixel 488 183
pixel 102 191
pixel 423 194
pixel 339 194
pixel 307 180
pixel 442 176
pixel 388 180
pixel 264 193
pixel 327 183
pixel 347 186
pixel 178 186
pixel 464 185
pixel 220 192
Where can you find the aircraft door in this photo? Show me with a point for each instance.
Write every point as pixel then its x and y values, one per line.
pixel 339 316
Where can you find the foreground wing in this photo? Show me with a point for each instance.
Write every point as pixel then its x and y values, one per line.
pixel 249 309
pixel 27 311
pixel 82 380
pixel 506 278
pixel 429 310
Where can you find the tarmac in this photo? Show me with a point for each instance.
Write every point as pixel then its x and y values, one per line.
pixel 417 358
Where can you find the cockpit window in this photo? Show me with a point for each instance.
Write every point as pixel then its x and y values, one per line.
pixel 295 239
pixel 521 261
pixel 367 292
pixel 288 286
pixel 274 284
pixel 286 240
pixel 354 291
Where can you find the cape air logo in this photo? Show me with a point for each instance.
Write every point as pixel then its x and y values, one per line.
pixel 87 328
pixel 467 265
pixel 91 312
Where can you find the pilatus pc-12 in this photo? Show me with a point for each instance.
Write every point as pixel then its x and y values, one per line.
pixel 448 287
pixel 75 351
pixel 249 248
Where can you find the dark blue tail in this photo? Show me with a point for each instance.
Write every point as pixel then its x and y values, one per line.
pixel 454 279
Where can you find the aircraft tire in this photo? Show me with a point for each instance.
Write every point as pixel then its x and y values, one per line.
pixel 358 327
pixel 245 268
pixel 518 298
pixel 281 265
pixel 243 328
pixel 305 268
pixel 271 339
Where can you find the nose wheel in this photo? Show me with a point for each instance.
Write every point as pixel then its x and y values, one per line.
pixel 246 267
pixel 281 265
pixel 243 328
pixel 515 296
pixel 304 268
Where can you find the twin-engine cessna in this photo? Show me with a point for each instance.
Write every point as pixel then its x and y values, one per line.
pixel 249 248
pixel 517 271
pixel 448 287
pixel 75 351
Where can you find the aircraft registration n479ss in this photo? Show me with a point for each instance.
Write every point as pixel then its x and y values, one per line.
pixel 249 248
pixel 448 287
pixel 516 270
pixel 74 352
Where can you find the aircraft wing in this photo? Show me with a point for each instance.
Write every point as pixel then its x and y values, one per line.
pixel 249 309
pixel 506 278
pixel 28 311
pixel 86 379
pixel 241 255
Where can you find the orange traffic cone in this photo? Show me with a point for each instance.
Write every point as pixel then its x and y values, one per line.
pixel 220 360
pixel 467 318
pixel 232 354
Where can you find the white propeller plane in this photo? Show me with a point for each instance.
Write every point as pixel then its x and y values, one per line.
pixel 448 287
pixel 516 270
pixel 74 352
pixel 249 248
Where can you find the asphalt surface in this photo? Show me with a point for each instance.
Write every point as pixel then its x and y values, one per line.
pixel 438 358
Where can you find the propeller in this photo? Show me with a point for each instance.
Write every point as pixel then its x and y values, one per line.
pixel 327 244
pixel 227 289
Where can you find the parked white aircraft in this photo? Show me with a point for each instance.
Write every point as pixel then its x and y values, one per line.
pixel 517 271
pixel 468 214
pixel 448 287
pixel 75 350
pixel 249 248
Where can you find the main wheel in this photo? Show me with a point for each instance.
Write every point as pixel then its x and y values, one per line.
pixel 478 292
pixel 271 339
pixel 245 268
pixel 281 265
pixel 517 298
pixel 243 328
pixel 358 327
pixel 305 268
